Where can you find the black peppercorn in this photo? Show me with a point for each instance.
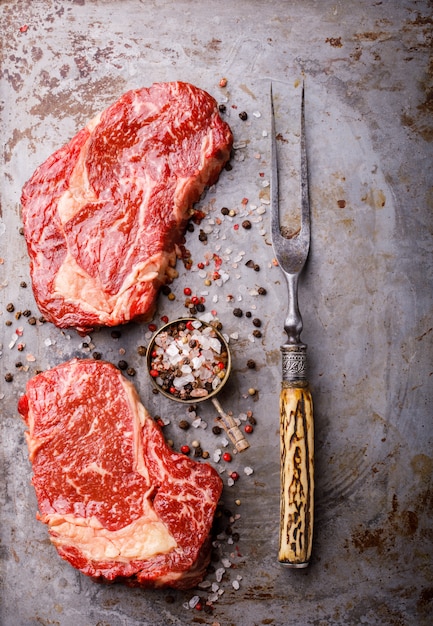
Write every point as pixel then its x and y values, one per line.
pixel 261 291
pixel 237 312
pixel 251 364
pixel 217 430
pixel 243 115
pixel 225 210
pixel 184 424
pixel 115 334
pixel 122 365
pixel 222 108
pixel 131 371
pixel 257 322
pixel 9 377
pixel 10 307
pixel 257 334
pixel 246 224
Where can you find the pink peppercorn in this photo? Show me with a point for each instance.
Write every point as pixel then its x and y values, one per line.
pixel 227 457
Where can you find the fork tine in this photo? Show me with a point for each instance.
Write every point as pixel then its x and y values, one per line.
pixel 291 253
pixel 305 199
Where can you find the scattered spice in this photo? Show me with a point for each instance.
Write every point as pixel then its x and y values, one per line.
pixel 122 365
pixel 237 312
pixel 142 350
pixel 251 364
pixel 9 377
pixel 243 115
pixel 261 291
pixel 246 224
pixel 257 322
pixel 184 424
pixel 10 307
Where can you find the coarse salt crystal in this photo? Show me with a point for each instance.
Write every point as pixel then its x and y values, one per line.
pixel 226 563
pixel 235 584
pixel 234 336
pixel 219 574
pixel 193 601
pixel 248 470
pixel 257 114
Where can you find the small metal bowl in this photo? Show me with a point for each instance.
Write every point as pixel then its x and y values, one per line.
pixel 226 421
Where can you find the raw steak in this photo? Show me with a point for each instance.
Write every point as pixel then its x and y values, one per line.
pixel 104 215
pixel 119 503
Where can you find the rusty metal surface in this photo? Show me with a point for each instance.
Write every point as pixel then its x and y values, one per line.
pixel 365 294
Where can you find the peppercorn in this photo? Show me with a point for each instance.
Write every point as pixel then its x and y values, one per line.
pixel 122 365
pixel 200 307
pixel 227 457
pixel 9 377
pixel 222 108
pixel 18 364
pixel 252 420
pixel 243 115
pixel 248 428
pixel 32 321
pixel 202 236
pixel 190 228
pixel 131 371
pixel 225 210
pixel 97 356
pixel 184 424
pixel 185 449
pixel 217 430
pixel 257 333
pixel 257 322
pixel 165 290
pixel 246 224
pixel 250 263
pixel 205 454
pixel 198 452
pixel 248 314
pixel 23 284
pixel 237 312
pixel 252 391
pixel 8 323
pixel 261 291
pixel 18 315
pixel 27 313
pixel 115 334
pixel 251 364
pixel 142 350
pixel 10 307
pixel 256 267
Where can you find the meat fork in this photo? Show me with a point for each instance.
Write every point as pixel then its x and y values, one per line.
pixel 296 407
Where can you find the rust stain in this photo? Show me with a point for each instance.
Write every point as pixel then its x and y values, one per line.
pixel 383 538
pixel 335 42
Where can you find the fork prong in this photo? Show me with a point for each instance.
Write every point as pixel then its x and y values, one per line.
pixel 291 253
pixel 305 197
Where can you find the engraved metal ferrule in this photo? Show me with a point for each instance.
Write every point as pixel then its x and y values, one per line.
pixel 294 360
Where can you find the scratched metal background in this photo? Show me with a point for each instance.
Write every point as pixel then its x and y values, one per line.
pixel 366 295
